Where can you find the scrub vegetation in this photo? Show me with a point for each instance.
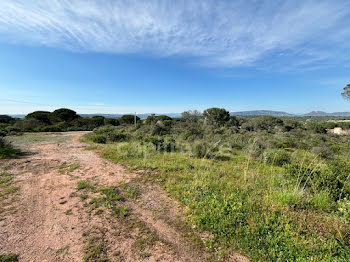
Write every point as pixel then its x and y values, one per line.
pixel 273 189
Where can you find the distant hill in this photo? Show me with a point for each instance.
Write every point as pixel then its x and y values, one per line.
pixel 281 113
pixel 260 113
pixel 321 113
pixel 145 115
pixel 17 116
pixel 239 113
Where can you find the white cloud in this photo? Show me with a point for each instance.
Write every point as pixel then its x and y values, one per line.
pixel 211 33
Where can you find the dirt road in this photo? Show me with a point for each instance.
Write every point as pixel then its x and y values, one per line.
pixel 64 210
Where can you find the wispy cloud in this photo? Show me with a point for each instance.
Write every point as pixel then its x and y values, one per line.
pixel 270 33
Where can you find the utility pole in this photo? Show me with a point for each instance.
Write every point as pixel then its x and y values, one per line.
pixel 135 119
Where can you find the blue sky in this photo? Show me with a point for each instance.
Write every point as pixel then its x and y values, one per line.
pixel 104 56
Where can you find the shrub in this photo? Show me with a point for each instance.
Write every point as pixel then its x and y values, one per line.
pixel 116 137
pixel 339 181
pixel 319 128
pixel 63 115
pixel 211 151
pixel 267 123
pixel 161 144
pixel 42 116
pixel 112 121
pixel 322 201
pixel 5 119
pixel 12 130
pixel 191 116
pixel 104 130
pixel 29 125
pixel 216 116
pixel 97 121
pixel 200 150
pixel 52 128
pixel 278 157
pixel 129 119
pixel 161 128
pixel 333 178
pixel 193 131
pixel 81 123
pixel 323 151
pixel 288 197
pixel 9 257
pixel 100 139
pixel 6 150
pixel 343 206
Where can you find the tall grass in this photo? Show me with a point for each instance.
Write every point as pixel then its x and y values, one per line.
pixel 247 205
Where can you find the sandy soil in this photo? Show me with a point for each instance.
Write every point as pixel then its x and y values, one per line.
pixel 50 222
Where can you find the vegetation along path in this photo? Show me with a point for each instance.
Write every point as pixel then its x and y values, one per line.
pixel 61 202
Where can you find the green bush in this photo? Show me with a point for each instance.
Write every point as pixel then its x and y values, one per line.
pixel 116 137
pixel 105 130
pixel 5 119
pixel 52 128
pixel 161 128
pixel 278 157
pixel 319 128
pixel 29 125
pixel 63 115
pixel 333 178
pixel 100 139
pixel 6 150
pixel 216 116
pixel 9 257
pixel 129 119
pixel 42 116
pixel 98 121
pixel 161 145
pixel 200 150
pixel 343 207
pixel 112 121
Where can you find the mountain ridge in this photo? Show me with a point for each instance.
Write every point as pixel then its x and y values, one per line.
pixel 238 113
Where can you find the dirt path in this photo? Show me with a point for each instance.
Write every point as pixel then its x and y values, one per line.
pixel 52 220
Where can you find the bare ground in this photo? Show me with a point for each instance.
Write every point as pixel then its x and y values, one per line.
pixel 49 219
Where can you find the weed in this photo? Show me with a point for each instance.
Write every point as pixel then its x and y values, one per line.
pixel 7 191
pixel 96 248
pixel 83 196
pixel 64 168
pixel 84 185
pixel 62 250
pixel 131 191
pixel 7 150
pixel 9 258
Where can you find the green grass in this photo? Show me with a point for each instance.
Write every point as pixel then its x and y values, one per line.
pixel 96 248
pixel 34 138
pixel 9 258
pixel 7 150
pixel 130 190
pixel 84 185
pixel 109 198
pixel 6 185
pixel 65 168
pixel 248 206
pixel 7 194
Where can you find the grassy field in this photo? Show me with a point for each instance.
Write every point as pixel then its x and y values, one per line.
pixel 271 189
pixel 34 138
pixel 284 205
pixel 247 206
